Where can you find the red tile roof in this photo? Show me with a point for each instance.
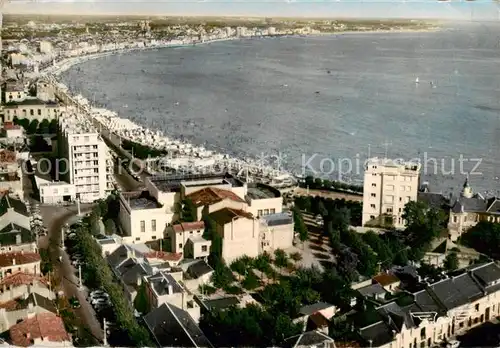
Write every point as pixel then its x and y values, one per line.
pixel 385 279
pixel 9 126
pixel 319 320
pixel 7 156
pixel 189 226
pixel 10 305
pixel 212 195
pixel 19 258
pixel 164 256
pixel 21 278
pixel 46 326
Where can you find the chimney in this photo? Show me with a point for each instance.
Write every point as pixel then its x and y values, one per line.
pixel 13 262
pixel 170 289
pixel 30 307
pixel 18 238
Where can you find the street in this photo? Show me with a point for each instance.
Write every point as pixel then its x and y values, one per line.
pixel 55 218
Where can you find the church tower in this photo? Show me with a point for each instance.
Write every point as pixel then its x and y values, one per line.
pixel 467 190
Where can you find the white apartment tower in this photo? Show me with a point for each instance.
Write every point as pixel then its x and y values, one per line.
pixel 388 186
pixel 88 164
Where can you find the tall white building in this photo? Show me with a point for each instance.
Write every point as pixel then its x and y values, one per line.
pixel 87 160
pixel 388 186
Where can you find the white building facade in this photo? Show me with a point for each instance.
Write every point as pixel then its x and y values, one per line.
pixel 88 163
pixel 388 186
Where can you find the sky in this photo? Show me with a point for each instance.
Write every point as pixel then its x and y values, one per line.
pixel 454 9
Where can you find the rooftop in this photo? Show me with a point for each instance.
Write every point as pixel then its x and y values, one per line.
pixel 13 234
pixel 221 303
pixel 7 156
pixel 261 191
pixel 189 226
pixel 385 279
pixel 391 163
pixel 29 101
pixel 307 339
pixel 227 215
pixel 140 200
pixel 8 202
pixel 46 326
pixel 212 195
pixel 172 183
pixel 18 258
pixel 165 256
pixel 277 219
pixel 173 327
pixel 199 269
pixel 21 278
pixel 164 284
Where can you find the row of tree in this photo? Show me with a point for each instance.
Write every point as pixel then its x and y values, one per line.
pixel 327 207
pixel 484 237
pixel 141 151
pixel 37 127
pixel 97 274
pixel 325 184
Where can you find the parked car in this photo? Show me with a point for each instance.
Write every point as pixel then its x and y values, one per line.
pixel 452 344
pixel 74 303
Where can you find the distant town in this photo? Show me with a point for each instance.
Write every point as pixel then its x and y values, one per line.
pixel 112 234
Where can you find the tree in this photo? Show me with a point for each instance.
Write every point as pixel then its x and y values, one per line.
pixel 484 237
pixel 321 209
pixel 43 127
pixel 33 127
pixel 188 210
pixel 251 281
pixel 53 126
pixel 309 181
pixel 141 300
pixel 110 227
pixel 451 261
pixel 280 258
pixel 299 225
pixel 347 264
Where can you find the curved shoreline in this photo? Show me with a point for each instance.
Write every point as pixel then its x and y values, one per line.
pixel 68 63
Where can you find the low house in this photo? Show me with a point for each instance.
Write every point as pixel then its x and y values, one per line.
pixel 218 304
pixel 13 210
pixel 187 238
pixel 197 272
pixel 173 327
pixel 20 283
pixel 389 282
pixel 17 309
pixel 239 231
pixel 163 288
pixel 317 316
pixel 142 217
pixel 31 109
pixel 276 231
pixel 45 329
pixel 17 238
pixel 12 262
pixel 373 291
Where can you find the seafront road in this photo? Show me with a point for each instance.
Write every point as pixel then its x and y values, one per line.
pixel 55 218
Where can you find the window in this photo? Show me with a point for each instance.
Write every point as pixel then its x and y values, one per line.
pixel 372 217
pixel 389 199
pixel 400 199
pixel 372 206
pixel 402 188
pixel 374 185
pixel 266 211
pixel 153 237
pixel 477 308
pixel 143 226
pixel 408 188
pixel 273 211
pixel 374 195
pixel 138 238
pixel 153 225
pixel 389 187
pixel 422 333
pixel 259 213
pixel 180 245
pixel 39 112
pixel 86 139
pixel 204 248
pixel 32 112
pixel 455 219
pixel 389 210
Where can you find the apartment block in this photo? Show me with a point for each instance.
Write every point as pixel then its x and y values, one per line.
pixel 88 165
pixel 388 186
